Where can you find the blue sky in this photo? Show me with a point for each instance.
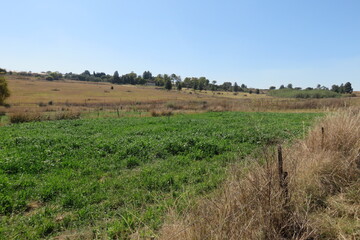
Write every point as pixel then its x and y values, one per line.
pixel 259 43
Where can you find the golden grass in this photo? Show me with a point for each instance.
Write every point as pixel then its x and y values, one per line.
pixel 320 198
pixel 29 94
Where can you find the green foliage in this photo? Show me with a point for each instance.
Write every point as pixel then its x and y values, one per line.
pixel 348 88
pixel 114 176
pixel 4 90
pixel 293 93
pixel 168 84
pixel 178 85
pixel 236 87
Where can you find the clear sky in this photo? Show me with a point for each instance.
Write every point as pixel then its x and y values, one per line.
pixel 259 43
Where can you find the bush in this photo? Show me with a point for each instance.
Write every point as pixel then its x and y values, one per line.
pixel 312 93
pixel 161 114
pixel 67 115
pixel 21 117
pixel 4 90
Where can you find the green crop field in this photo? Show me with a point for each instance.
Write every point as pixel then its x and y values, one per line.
pixel 109 177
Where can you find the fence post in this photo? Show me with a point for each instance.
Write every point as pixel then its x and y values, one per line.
pixel 283 177
pixel 322 137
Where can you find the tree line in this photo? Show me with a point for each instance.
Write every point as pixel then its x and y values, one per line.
pixel 168 81
pixel 342 88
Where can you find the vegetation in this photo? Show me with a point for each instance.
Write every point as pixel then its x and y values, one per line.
pixel 347 88
pixel 4 90
pixel 317 198
pixel 108 178
pixel 293 93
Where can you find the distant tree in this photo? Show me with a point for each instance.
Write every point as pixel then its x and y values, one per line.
pixel 342 88
pixel 159 80
pixel 227 86
pixel 54 76
pixel 175 78
pixel 272 88
pixel 318 86
pixel 116 78
pixel 178 85
pixel 2 71
pixel 49 78
pixel 195 83
pixel 168 85
pixel 86 72
pixel 335 88
pixel 236 87
pixel 250 91
pixel 348 88
pixel 243 86
pixel 147 75
pixel 281 87
pixel 257 91
pixel 201 85
pixel 4 90
pixel 290 86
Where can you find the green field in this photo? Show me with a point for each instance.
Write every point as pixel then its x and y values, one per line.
pixel 109 177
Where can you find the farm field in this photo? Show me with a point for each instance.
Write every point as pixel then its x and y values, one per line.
pixel 110 177
pixel 29 94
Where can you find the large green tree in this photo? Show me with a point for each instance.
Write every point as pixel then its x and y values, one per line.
pixel 4 90
pixel 348 88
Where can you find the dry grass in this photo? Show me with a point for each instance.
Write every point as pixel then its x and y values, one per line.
pixel 320 199
pixel 21 117
pixel 31 94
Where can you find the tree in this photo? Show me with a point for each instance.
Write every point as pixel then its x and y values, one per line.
pixel 236 87
pixel 86 72
pixel 342 88
pixel 4 90
pixel 335 88
pixel 348 88
pixel 281 87
pixel 257 91
pixel 272 88
pixel 226 86
pixel 290 86
pixel 2 71
pixel 116 77
pixel 147 75
pixel 168 85
pixel 178 85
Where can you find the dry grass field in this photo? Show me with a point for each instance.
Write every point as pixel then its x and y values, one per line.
pixel 29 94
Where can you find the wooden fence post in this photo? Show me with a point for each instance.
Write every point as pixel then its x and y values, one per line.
pixel 283 177
pixel 322 137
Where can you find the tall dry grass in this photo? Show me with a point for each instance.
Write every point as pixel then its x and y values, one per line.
pixel 319 199
pixel 36 116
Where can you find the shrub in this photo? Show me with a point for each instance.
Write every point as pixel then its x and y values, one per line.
pixel 21 117
pixel 161 114
pixel 67 115
pixel 4 90
pixel 312 93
